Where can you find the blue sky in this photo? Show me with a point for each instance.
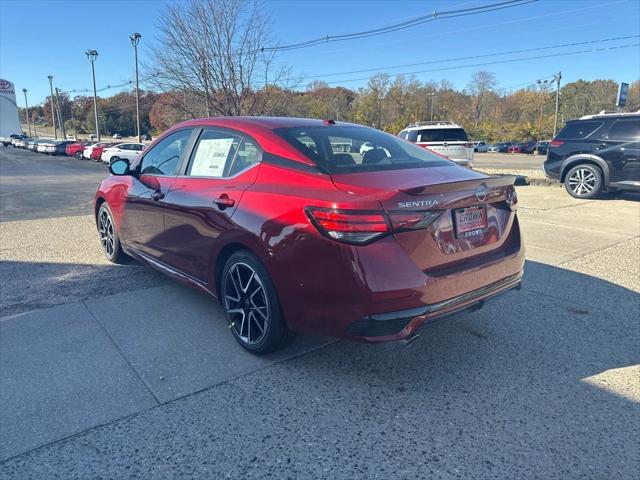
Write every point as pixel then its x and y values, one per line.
pixel 38 38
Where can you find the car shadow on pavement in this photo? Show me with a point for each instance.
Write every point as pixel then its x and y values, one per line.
pixel 33 285
pixel 540 383
pixel 620 195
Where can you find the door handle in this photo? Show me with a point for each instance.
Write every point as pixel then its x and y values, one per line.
pixel 223 201
pixel 155 196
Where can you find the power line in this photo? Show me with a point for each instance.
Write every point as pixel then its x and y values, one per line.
pixel 467 29
pixel 108 87
pixel 400 26
pixel 495 54
pixel 498 62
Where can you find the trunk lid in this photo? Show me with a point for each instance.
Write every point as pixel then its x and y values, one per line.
pixel 451 150
pixel 446 189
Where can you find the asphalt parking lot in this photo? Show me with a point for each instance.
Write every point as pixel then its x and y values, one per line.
pixel 116 372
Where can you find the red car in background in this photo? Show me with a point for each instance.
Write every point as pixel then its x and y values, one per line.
pixel 96 153
pixel 76 149
pixel 292 228
pixel 514 149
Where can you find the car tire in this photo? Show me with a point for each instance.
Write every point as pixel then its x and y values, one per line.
pixel 109 239
pixel 251 305
pixel 78 155
pixel 113 159
pixel 584 181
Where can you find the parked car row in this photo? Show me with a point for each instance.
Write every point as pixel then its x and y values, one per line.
pixel 104 152
pixel 40 145
pixel 518 147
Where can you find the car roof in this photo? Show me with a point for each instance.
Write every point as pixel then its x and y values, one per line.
pixel 604 115
pixel 432 124
pixel 270 123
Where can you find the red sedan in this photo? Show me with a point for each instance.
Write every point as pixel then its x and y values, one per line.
pixel 514 149
pixel 97 150
pixel 76 149
pixel 293 229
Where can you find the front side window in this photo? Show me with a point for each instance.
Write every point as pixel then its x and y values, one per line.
pixel 628 130
pixel 347 149
pixel 164 157
pixel 578 130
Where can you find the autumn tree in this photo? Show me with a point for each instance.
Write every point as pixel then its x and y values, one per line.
pixel 219 51
pixel 481 87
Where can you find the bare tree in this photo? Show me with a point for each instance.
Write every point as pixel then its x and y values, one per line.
pixel 215 50
pixel 482 84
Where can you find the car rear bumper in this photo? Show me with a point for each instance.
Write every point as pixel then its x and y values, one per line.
pixel 401 324
pixel 375 293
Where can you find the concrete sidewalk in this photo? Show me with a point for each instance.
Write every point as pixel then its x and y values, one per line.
pixel 69 368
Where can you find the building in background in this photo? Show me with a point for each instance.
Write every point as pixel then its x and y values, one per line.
pixel 9 122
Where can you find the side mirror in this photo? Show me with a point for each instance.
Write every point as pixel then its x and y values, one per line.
pixel 120 167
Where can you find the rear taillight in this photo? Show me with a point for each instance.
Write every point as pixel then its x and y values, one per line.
pixel 349 226
pixel 469 145
pixel 403 221
pixel 556 143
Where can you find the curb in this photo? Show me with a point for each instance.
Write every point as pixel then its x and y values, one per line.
pixel 521 180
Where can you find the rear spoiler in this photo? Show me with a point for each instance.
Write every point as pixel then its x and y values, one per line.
pixel 473 184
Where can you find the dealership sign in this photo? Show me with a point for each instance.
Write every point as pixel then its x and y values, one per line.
pixel 623 93
pixel 9 123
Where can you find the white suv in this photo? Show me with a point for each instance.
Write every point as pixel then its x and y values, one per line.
pixel 445 138
pixel 124 150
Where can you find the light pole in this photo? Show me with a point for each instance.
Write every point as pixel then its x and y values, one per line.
pixel 26 107
pixel 556 78
pixel 60 119
pixel 53 114
pixel 92 55
pixel 542 84
pixel 135 39
pixel 431 96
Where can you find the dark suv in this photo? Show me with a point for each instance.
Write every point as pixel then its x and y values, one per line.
pixel 596 153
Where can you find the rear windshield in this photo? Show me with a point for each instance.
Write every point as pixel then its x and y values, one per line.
pixel 438 135
pixel 578 130
pixel 348 149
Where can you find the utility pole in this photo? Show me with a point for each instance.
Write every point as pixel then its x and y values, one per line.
pixel 60 119
pixel 542 84
pixel 92 55
pixel 26 107
pixel 53 115
pixel 556 78
pixel 431 96
pixel 135 39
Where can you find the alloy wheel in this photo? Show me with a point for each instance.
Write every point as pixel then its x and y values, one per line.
pixel 246 304
pixel 582 181
pixel 107 233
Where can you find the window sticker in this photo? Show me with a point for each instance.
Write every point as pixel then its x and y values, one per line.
pixel 211 157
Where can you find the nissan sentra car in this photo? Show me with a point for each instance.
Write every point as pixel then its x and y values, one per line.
pixel 294 227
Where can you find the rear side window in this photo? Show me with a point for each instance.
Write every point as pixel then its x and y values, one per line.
pixel 439 135
pixel 220 153
pixel 625 130
pixel 350 148
pixel 579 130
pixel 213 154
